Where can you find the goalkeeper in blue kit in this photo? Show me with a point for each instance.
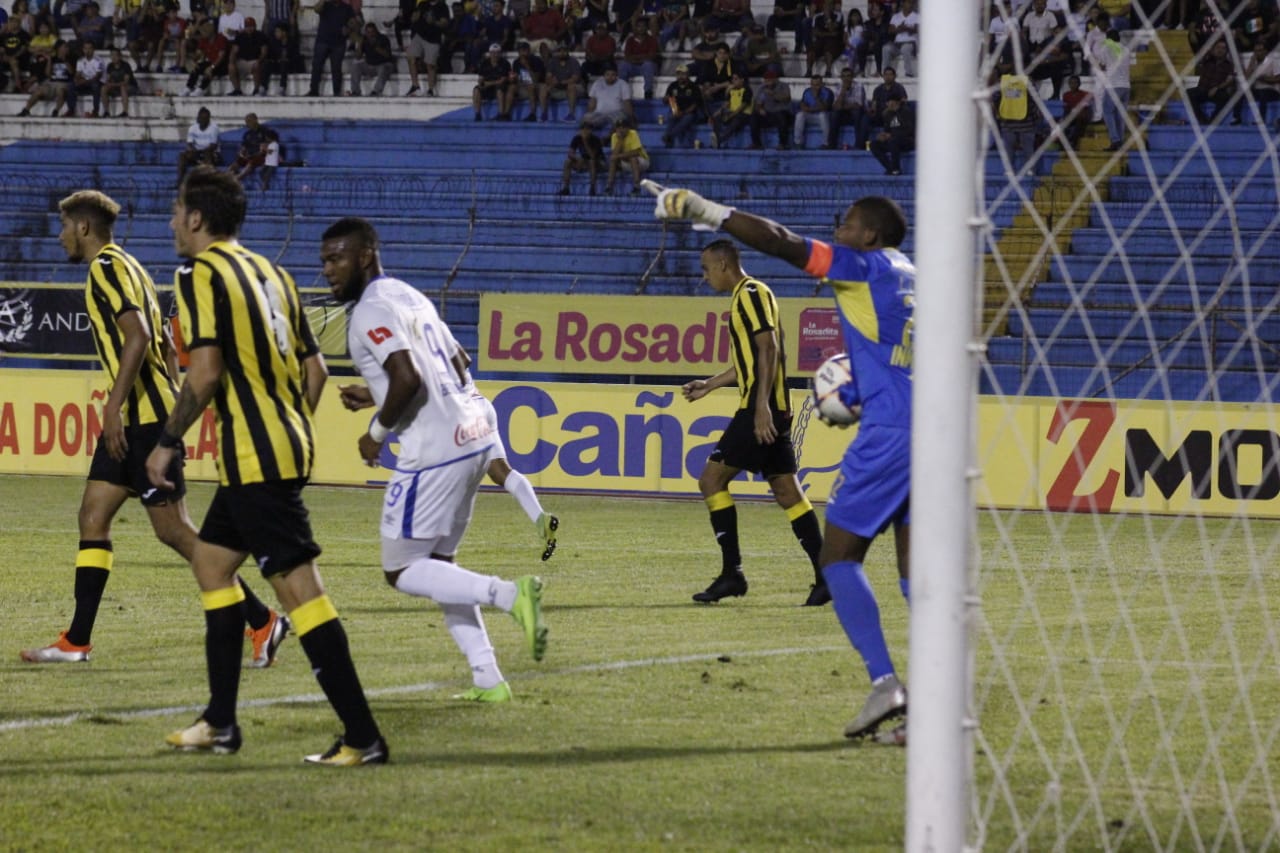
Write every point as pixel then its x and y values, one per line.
pixel 874 286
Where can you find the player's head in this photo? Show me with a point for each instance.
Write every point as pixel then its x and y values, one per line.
pixel 721 265
pixel 210 206
pixel 872 222
pixel 349 255
pixel 87 218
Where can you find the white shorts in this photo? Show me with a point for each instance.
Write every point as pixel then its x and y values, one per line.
pixel 432 506
pixel 420 48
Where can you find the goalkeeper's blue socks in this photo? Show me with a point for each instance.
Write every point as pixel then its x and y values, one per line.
pixel 859 615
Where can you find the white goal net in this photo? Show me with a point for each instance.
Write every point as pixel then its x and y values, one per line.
pixel 1124 597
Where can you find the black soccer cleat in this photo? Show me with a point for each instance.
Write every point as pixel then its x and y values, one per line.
pixel 818 595
pixel 725 586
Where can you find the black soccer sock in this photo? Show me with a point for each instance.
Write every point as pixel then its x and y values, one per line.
pixel 804 524
pixel 724 522
pixel 325 641
pixel 256 613
pixel 93 568
pixel 223 647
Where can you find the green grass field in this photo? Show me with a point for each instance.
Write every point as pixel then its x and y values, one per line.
pixel 652 723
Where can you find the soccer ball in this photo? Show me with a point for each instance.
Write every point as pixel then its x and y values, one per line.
pixel 833 375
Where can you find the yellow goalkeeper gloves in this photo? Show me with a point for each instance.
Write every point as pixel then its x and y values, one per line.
pixel 706 215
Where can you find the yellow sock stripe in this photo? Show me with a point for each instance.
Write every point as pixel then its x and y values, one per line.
pixel 95 558
pixel 313 614
pixel 720 500
pixel 216 599
pixel 797 510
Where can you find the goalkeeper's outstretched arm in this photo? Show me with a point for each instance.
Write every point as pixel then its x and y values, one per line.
pixel 757 232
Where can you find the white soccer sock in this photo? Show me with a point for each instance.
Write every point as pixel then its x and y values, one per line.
pixel 466 626
pixel 522 490
pixel 447 583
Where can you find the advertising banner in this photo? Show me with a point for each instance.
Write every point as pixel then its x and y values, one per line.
pixel 638 335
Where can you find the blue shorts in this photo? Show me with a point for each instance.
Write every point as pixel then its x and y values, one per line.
pixel 873 488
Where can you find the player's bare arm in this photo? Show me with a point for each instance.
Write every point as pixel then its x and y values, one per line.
pixel 756 231
pixel 203 375
pixel 315 373
pixel 137 337
pixel 404 383
pixel 699 388
pixel 766 371
pixel 169 353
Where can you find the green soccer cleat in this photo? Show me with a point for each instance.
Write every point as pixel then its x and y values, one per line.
pixel 200 736
pixel 527 611
pixel 341 755
pixel 497 693
pixel 548 524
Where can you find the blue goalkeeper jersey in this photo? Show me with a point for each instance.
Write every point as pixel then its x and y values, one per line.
pixel 875 295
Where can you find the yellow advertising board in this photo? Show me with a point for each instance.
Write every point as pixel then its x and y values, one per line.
pixel 1081 455
pixel 638 335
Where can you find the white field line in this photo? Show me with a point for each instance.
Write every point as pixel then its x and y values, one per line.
pixel 426 687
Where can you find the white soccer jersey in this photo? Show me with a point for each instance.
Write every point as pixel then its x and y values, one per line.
pixel 444 424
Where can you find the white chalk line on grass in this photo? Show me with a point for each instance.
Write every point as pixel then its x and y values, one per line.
pixel 426 687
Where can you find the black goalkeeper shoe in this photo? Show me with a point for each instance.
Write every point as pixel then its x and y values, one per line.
pixel 725 586
pixel 818 595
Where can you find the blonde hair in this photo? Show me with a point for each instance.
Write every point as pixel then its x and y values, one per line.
pixel 97 207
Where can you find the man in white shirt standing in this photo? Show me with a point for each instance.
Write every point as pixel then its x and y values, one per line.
pixel 88 79
pixel 231 21
pixel 202 143
pixel 417 378
pixel 1112 59
pixel 905 27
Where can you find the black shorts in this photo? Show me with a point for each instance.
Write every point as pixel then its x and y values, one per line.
pixel 738 447
pixel 268 520
pixel 131 472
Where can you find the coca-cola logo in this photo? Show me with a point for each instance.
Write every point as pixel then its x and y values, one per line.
pixel 464 434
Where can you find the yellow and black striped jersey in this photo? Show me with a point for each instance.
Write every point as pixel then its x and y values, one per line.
pixel 116 284
pixel 240 302
pixel 754 309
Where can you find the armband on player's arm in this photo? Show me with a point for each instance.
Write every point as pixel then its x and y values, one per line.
pixel 820 255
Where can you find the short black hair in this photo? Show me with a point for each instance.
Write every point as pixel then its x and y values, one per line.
pixel 726 249
pixel 219 198
pixel 356 226
pixel 883 216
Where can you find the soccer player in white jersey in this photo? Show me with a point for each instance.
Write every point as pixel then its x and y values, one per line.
pixel 418 381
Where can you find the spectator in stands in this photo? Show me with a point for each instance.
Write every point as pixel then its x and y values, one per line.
pixel 544 28
pixel 594 12
pixel 429 24
pixel 684 98
pixel 640 55
pixel 1046 51
pixel 674 24
pixel 286 12
pixel 889 87
pixel 854 50
pixel 147 29
pixel 896 137
pixel 43 43
pixel 1216 84
pixel 598 51
pixel 173 31
pixel 731 16
pixel 373 59
pixel 1018 118
pixel 1205 27
pixel 790 16
pixel 277 63
pixel 53 82
pixel 849 108
pixel 230 20
pixel 815 108
pixel 1077 108
pixel 463 30
pixel 703 56
pixel 253 148
pixel 625 14
pixel 498 26
pixel 117 77
pixel 337 22
pixel 586 154
pixel 734 112
pixel 626 151
pixel 716 80
pixel 1251 23
pixel 757 52
pixel 772 109
pixel 14 52
pixel 67 13
pixel 563 80
pixel 494 83
pixel 1262 79
pixel 1112 60
pixel 202 144
pixel 271 162
pixel 93 28
pixel 827 37
pixel 21 10
pixel 213 54
pixel 248 54
pixel 88 77
pixel 528 73
pixel 608 100
pixel 904 26
pixel 875 34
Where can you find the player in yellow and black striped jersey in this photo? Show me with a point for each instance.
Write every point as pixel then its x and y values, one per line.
pixel 758 438
pixel 252 354
pixel 137 354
